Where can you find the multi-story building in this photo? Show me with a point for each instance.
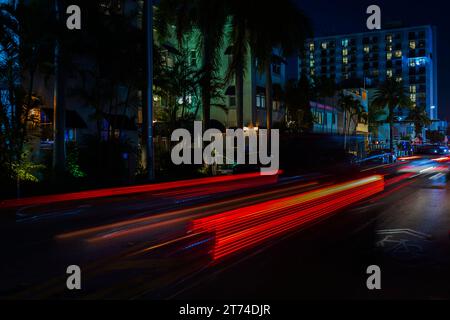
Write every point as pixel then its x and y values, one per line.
pixel 223 108
pixel 402 54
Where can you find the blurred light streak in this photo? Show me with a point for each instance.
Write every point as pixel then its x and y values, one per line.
pixel 132 226
pixel 203 191
pixel 392 191
pixel 437 176
pixel 384 166
pixel 111 192
pixel 409 158
pixel 242 228
pixel 398 178
pixel 443 159
pixel 426 170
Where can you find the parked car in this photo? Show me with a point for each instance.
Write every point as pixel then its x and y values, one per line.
pixel 432 150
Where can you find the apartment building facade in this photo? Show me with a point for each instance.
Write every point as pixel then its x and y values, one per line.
pixel 403 54
pixel 223 107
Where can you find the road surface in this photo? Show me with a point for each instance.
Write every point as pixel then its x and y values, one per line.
pixel 282 238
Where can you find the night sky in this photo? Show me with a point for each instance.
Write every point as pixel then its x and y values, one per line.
pixel 331 17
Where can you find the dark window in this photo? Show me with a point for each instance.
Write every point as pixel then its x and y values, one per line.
pixel 276 68
pixel 111 6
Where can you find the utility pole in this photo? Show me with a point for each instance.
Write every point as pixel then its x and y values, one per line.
pixel 59 112
pixel 148 103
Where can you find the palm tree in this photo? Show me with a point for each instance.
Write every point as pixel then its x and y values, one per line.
pixel 282 26
pixel 59 113
pixel 206 17
pixel 240 11
pixel 350 107
pixel 373 118
pixel 175 84
pixel 24 45
pixel 418 115
pixel 325 89
pixel 298 108
pixel 148 109
pixel 391 94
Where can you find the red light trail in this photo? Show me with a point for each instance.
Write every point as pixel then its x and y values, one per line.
pixel 111 192
pixel 240 229
pixel 133 226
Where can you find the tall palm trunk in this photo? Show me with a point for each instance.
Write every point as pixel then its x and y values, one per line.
pixel 345 128
pixel 391 129
pixel 59 112
pixel 253 90
pixel 206 82
pixel 147 119
pixel 239 95
pixel 269 98
pixel 206 100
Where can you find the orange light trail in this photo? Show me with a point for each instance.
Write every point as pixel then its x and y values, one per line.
pixel 409 158
pixel 443 159
pixel 240 229
pixel 131 226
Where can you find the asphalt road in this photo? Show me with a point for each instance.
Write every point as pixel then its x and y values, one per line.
pixel 137 246
pixel 404 232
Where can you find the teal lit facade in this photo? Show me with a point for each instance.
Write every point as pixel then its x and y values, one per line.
pixel 404 54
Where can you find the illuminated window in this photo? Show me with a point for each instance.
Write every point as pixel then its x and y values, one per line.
pixel 413 97
pixel 345 60
pixel 311 63
pixel 398 53
pixel 412 89
pixel 276 105
pixel 412 44
pixel 389 56
pixel 319 117
pixel 345 43
pixel 311 47
pixel 260 101
pixel 324 45
pixel 417 62
pixel 389 73
pixel 389 48
pixel 366 49
pixel 399 79
pixel 344 52
pixel 389 38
